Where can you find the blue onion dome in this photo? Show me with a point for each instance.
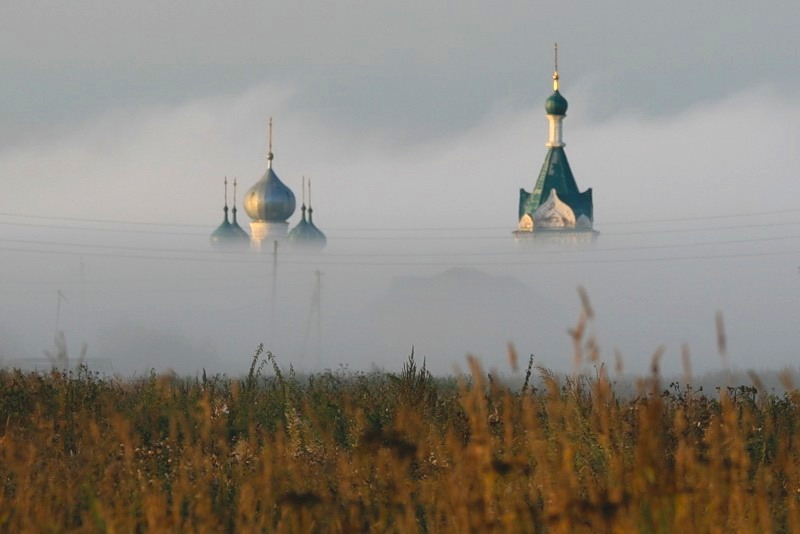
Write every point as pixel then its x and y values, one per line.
pixel 223 234
pixel 556 104
pixel 306 235
pixel 269 199
pixel 238 230
pixel 229 235
pixel 317 233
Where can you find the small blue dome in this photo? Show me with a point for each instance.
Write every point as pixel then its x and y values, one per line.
pixel 306 235
pixel 228 236
pixel 238 230
pixel 269 199
pixel 556 104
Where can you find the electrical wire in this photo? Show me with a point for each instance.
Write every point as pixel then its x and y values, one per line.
pixel 498 236
pixel 355 263
pixel 407 254
pixel 373 229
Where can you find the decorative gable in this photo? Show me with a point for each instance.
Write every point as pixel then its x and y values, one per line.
pixel 554 213
pixel 526 223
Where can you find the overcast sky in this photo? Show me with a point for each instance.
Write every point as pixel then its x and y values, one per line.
pixel 416 64
pixel 416 115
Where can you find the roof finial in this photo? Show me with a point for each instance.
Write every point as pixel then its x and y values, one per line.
pixel 235 222
pixel 310 209
pixel 303 206
pixel 225 209
pixel 555 71
pixel 269 154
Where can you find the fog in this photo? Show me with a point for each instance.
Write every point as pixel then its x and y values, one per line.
pixel 695 210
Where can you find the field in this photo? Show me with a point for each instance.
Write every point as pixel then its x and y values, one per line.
pixel 393 452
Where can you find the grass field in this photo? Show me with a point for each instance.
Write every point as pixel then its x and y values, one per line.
pixel 393 452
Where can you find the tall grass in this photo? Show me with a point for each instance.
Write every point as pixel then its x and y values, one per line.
pixel 384 452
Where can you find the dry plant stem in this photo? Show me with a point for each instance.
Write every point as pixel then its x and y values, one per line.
pixel 394 452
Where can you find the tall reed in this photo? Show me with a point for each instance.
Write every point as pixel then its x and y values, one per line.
pixel 384 452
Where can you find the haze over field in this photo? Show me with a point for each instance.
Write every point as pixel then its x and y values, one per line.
pixel 418 125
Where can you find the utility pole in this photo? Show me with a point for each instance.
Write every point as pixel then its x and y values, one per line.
pixel 58 308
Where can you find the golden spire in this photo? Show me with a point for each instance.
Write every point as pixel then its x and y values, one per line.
pixel 555 71
pixel 269 154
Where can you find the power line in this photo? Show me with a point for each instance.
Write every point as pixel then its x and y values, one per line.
pixel 102 221
pixel 113 230
pixel 702 229
pixel 373 229
pixel 351 262
pixel 705 217
pixel 406 254
pixel 503 236
pixel 114 247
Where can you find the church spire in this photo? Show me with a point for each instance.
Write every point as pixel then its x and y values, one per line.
pixel 225 181
pixel 555 203
pixel 310 209
pixel 555 70
pixel 556 107
pixel 270 155
pixel 221 237
pixel 234 197
pixel 303 206
pixel 238 230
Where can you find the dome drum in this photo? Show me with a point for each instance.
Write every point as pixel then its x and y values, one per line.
pixel 264 233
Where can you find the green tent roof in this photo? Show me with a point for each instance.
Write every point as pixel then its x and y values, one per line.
pixel 556 174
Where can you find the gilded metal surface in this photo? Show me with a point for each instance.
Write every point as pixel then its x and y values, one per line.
pixel 269 199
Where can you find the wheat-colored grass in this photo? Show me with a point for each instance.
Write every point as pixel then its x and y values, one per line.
pixel 385 452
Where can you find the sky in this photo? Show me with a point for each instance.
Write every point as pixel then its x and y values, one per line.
pixel 417 122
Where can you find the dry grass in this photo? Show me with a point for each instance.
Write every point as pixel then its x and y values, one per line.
pixel 388 452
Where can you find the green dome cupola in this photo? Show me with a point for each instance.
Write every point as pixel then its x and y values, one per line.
pixel 556 104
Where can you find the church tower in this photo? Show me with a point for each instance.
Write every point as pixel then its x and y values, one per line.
pixel 269 203
pixel 555 207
